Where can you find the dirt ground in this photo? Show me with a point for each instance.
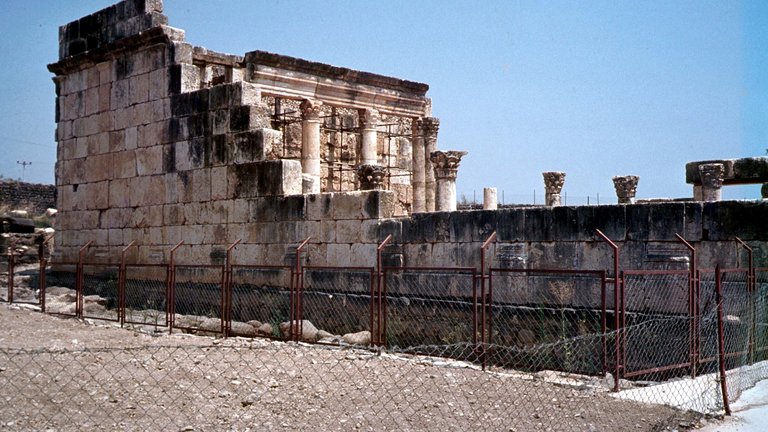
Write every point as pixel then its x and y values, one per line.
pixel 69 374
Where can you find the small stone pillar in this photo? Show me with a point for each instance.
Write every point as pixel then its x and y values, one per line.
pixel 553 185
pixel 371 176
pixel 418 157
pixel 369 120
pixel 764 191
pixel 446 167
pixel 712 176
pixel 310 145
pixel 490 199
pixel 626 188
pixel 430 125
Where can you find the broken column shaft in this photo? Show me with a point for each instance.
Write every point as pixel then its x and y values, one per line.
pixel 418 158
pixel 490 199
pixel 446 167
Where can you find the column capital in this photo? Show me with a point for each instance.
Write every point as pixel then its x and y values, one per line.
pixel 712 175
pixel 310 109
pixel 626 188
pixel 429 126
pixel 369 118
pixel 446 163
pixel 371 176
pixel 553 181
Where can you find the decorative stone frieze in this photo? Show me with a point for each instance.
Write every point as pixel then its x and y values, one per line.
pixel 553 185
pixel 626 188
pixel 369 120
pixel 430 126
pixel 371 176
pixel 446 167
pixel 712 176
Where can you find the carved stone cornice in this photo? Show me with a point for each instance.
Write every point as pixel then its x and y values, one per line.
pixel 712 175
pixel 626 188
pixel 371 176
pixel 369 118
pixel 553 182
pixel 311 109
pixel 446 163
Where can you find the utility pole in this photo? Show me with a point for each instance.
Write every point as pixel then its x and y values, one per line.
pixel 23 167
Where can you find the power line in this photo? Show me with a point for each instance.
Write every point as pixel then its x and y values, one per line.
pixel 23 167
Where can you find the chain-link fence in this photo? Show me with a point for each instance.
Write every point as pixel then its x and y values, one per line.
pixel 391 347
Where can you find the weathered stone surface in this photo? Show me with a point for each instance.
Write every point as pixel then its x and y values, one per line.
pixel 359 338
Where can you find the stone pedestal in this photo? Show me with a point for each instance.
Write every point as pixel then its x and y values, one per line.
pixel 418 158
pixel 446 167
pixel 369 120
pixel 310 144
pixel 371 176
pixel 553 185
pixel 430 126
pixel 490 199
pixel 626 188
pixel 712 176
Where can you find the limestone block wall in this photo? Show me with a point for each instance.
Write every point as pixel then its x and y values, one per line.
pixel 30 196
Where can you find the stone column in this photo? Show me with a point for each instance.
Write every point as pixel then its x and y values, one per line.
pixel 626 188
pixel 369 119
pixel 553 184
pixel 490 199
pixel 446 167
pixel 310 145
pixel 430 125
pixel 712 176
pixel 418 157
pixel 764 191
pixel 371 176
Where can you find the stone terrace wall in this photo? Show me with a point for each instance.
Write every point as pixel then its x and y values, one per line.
pixel 30 196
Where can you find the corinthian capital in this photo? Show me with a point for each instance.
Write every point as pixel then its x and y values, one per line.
pixel 310 109
pixel 369 118
pixel 553 182
pixel 429 126
pixel 446 163
pixel 371 177
pixel 626 188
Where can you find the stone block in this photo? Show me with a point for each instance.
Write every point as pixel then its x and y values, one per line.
pixel 91 101
pixel 173 214
pixel 427 227
pixel 147 216
pixel 693 221
pixel 363 255
pixel 611 220
pixel 725 220
pixel 318 206
pixel 658 221
pixel 149 160
pixel 339 255
pixel 119 193
pixel 417 254
pixel 472 226
pixel 158 84
pixel 348 231
pixel 510 225
pixel 97 195
pixel 218 183
pixel 183 78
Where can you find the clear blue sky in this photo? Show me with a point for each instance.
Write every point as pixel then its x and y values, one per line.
pixel 595 89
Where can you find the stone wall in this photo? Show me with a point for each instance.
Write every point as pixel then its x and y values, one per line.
pixel 28 196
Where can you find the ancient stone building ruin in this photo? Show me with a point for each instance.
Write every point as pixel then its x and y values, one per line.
pixel 161 142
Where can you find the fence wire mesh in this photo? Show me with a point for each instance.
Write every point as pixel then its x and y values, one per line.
pixel 514 350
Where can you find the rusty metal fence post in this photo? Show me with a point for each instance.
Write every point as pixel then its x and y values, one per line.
pixel 121 284
pixel 227 290
pixel 171 302
pixel 721 340
pixel 485 302
pixel 751 278
pixel 378 302
pixel 693 310
pixel 79 279
pixel 618 300
pixel 11 269
pixel 295 325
